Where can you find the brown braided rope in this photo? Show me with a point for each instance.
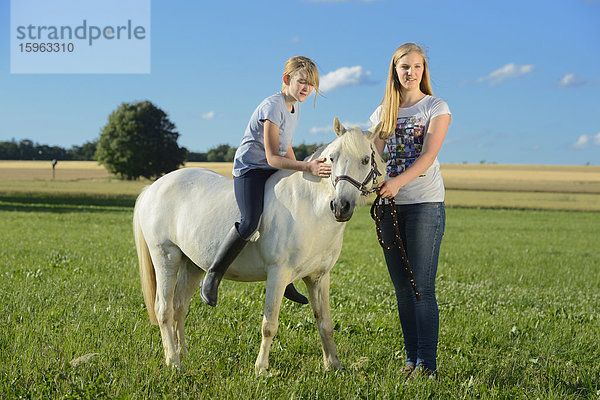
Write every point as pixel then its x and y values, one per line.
pixel 378 205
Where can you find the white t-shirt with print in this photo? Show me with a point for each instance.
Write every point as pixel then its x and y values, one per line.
pixel 404 147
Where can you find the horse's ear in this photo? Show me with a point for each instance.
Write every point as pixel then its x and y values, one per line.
pixel 338 128
pixel 374 131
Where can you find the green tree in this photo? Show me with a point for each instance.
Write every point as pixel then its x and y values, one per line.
pixel 193 156
pixel 222 152
pixel 27 150
pixel 9 150
pixel 302 150
pixel 45 152
pixel 86 151
pixel 139 140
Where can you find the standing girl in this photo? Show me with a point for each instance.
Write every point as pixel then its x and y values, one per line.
pixel 414 127
pixel 265 148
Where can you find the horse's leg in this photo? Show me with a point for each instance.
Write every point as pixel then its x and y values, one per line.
pixel 166 260
pixel 318 290
pixel 277 280
pixel 188 279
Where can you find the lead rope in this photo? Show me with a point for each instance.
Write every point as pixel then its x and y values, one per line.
pixel 376 207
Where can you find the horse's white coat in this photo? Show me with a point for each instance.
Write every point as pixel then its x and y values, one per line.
pixel 181 218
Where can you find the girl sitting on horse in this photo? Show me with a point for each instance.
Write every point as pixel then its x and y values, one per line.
pixel 265 148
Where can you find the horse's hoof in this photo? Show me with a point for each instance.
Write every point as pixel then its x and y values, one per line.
pixel 182 353
pixel 337 366
pixel 176 365
pixel 267 373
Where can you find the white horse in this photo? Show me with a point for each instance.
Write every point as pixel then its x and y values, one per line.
pixel 181 218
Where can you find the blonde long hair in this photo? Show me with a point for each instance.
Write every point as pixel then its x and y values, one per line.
pixel 301 63
pixel 392 97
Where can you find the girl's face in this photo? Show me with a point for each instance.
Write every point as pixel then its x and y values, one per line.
pixel 298 86
pixel 409 70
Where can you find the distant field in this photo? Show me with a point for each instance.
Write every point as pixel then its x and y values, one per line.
pixel 75 177
pixel 468 185
pixel 528 178
pixel 76 170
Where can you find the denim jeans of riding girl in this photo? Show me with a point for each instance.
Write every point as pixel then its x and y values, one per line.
pixel 421 229
pixel 250 197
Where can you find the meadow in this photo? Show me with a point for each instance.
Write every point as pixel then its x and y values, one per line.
pixel 518 291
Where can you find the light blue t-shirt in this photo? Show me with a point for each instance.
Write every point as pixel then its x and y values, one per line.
pixel 251 153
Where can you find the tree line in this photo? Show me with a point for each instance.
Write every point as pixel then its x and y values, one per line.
pixel 224 152
pixel 28 150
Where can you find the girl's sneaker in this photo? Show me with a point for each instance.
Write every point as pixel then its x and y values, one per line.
pixel 407 371
pixel 422 373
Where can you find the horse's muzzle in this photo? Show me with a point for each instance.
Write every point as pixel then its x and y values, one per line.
pixel 342 210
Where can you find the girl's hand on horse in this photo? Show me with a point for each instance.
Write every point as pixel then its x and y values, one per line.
pixel 319 168
pixel 389 188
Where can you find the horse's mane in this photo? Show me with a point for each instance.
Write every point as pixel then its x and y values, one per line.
pixel 352 142
pixel 316 153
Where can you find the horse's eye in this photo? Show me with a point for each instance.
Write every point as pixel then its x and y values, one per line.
pixel 331 159
pixel 365 161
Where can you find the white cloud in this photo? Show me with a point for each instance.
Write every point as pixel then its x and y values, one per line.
pixel 295 39
pixel 582 141
pixel 586 140
pixel 208 115
pixel 315 130
pixel 567 80
pixel 508 71
pixel 344 76
pixel 570 80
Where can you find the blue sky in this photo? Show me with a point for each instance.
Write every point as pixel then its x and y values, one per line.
pixel 521 77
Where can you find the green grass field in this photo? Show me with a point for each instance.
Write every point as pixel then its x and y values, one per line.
pixel 519 295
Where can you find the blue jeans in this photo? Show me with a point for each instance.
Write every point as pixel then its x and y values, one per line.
pixel 421 229
pixel 250 195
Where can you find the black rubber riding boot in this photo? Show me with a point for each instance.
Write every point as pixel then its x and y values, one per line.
pixel 230 248
pixel 292 294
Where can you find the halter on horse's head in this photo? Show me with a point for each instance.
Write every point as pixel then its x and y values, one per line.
pixel 352 157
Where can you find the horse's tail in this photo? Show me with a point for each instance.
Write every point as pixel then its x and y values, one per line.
pixel 147 274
